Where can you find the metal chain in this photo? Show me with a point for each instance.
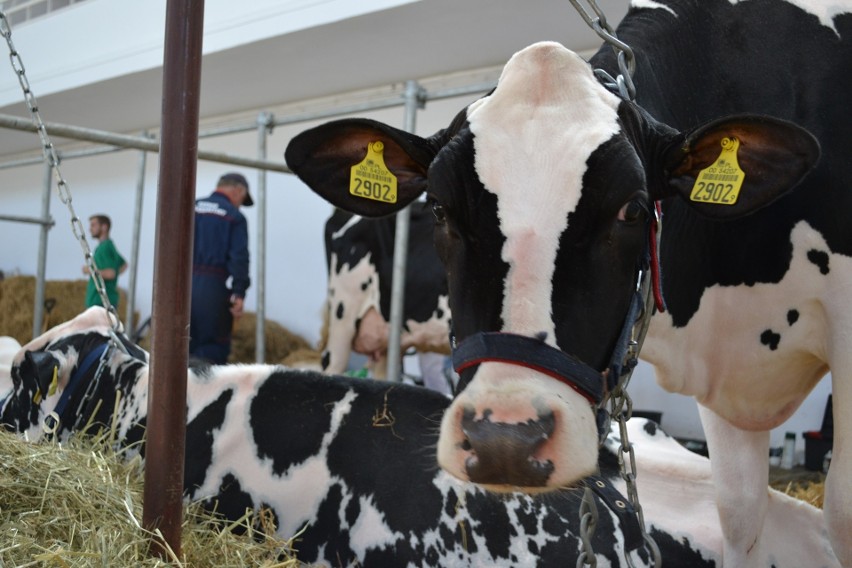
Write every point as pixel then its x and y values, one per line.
pixel 588 524
pixel 621 405
pixel 626 59
pixel 52 158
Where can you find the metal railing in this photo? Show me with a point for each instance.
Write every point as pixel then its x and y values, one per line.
pixel 19 11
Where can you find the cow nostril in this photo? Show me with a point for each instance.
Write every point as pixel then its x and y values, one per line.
pixel 505 453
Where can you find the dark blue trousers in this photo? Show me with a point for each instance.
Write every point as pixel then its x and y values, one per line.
pixel 210 320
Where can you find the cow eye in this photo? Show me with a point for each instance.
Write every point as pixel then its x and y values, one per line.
pixel 439 211
pixel 632 211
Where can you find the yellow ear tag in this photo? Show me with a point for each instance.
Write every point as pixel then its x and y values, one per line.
pixel 52 388
pixel 720 182
pixel 371 179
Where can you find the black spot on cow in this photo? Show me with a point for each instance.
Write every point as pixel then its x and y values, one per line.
pixel 353 509
pixel 820 258
pixel 332 538
pixel 792 316
pixel 326 359
pixel 499 524
pixel 650 428
pixel 684 551
pixel 339 313
pixel 366 283
pixel 383 488
pixel 439 313
pixel 231 502
pixel 304 440
pixel 199 441
pixel 770 339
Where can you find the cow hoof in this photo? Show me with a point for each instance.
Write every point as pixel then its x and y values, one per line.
pixel 505 453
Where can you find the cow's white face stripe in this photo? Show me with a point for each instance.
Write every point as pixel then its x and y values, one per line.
pixel 533 137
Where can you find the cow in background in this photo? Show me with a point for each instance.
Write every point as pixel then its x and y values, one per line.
pixel 545 194
pixel 359 256
pixel 343 462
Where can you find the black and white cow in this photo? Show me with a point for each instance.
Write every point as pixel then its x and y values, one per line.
pixel 543 192
pixel 359 253
pixel 347 460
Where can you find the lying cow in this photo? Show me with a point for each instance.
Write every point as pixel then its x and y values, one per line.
pixel 544 194
pixel 9 347
pixel 346 460
pixel 360 267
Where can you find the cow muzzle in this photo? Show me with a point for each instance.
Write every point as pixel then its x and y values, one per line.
pixel 517 429
pixel 501 453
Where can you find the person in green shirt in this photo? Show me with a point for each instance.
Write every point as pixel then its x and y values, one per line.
pixel 109 261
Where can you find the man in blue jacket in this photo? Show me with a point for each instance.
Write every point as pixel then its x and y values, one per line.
pixel 220 253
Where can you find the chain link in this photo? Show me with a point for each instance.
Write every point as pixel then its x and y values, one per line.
pixel 621 405
pixel 52 159
pixel 623 83
pixel 588 524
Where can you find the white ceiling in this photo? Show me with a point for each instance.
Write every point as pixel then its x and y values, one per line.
pixel 414 41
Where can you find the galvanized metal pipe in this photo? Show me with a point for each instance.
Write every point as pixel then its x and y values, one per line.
pixel 128 141
pixel 134 247
pixel 83 153
pixel 166 431
pixel 264 122
pixel 41 268
pixel 34 220
pixel 400 252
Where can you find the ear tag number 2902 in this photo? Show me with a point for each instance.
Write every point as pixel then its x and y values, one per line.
pixel 720 182
pixel 371 179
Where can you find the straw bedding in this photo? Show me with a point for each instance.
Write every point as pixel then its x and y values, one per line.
pixel 80 505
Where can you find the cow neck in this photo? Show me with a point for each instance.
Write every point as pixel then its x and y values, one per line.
pixel 76 402
pixel 534 353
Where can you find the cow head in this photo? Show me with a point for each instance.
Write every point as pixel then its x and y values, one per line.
pixel 51 377
pixel 542 193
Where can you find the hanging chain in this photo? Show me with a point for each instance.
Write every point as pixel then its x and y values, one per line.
pixel 588 524
pixel 626 60
pixel 621 405
pixel 52 159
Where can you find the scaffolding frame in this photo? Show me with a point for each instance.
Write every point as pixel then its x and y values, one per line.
pixel 414 98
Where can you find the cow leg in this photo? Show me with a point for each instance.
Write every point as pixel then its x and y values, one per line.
pixel 338 347
pixel 378 366
pixel 838 484
pixel 739 462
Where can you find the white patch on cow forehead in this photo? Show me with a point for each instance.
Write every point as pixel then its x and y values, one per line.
pixel 651 4
pixel 533 137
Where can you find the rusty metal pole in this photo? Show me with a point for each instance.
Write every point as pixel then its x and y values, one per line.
pixel 165 444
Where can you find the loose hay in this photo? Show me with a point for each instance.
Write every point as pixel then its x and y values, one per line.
pixel 66 299
pixel 809 491
pixel 80 505
pixel 280 342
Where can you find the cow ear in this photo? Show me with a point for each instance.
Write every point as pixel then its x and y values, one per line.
pixel 323 157
pixel 773 156
pixel 41 368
